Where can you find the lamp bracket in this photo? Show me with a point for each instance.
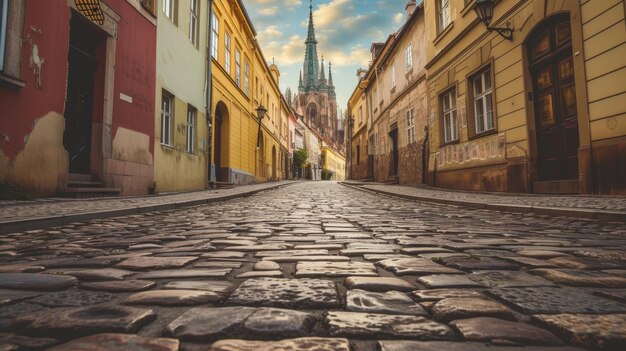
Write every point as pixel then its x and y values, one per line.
pixel 506 33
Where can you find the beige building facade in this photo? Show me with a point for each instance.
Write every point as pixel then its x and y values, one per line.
pixel 541 111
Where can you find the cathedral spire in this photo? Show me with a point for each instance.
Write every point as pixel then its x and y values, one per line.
pixel 330 73
pixel 322 76
pixel 311 62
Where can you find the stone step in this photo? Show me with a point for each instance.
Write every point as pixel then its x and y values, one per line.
pixel 87 193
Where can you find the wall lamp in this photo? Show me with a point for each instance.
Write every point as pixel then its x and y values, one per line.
pixel 484 11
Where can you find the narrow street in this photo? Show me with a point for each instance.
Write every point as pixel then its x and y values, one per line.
pixel 345 269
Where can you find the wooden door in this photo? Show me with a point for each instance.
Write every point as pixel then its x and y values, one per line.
pixel 556 117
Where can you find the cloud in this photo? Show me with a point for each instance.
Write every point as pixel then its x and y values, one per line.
pixel 285 53
pixel 398 18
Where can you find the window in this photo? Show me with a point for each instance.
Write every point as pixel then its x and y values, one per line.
pixel 4 7
pixel 450 127
pixel 393 76
pixel 444 14
pixel 215 35
pixel 246 78
pixel 192 114
pixel 483 102
pixel 169 9
pixel 227 52
pixel 167 118
pixel 193 22
pixel 408 53
pixel 410 122
pixel 238 68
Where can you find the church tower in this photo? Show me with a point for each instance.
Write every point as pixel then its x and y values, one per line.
pixel 316 100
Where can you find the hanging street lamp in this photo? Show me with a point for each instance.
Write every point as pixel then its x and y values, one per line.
pixel 484 12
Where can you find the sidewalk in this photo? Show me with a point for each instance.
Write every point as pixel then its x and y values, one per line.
pixel 608 208
pixel 43 213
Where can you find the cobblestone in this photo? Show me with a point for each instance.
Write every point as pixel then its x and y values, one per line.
pixel 449 278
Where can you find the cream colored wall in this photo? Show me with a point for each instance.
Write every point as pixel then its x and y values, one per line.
pixel 335 162
pixel 181 72
pixel 604 35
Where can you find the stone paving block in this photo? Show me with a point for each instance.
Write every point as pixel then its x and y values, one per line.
pixel 373 326
pixel 218 264
pixel 71 322
pixel 574 277
pixel 449 309
pixel 148 262
pixel 440 294
pixel 260 274
pixel 439 281
pixel 262 247
pixel 300 344
pixel 9 342
pixel 290 259
pixel 206 324
pixel 415 266
pixel 36 281
pixel 476 263
pixel 391 302
pixel 555 300
pixel 335 269
pixel 489 329
pixel 222 254
pixel 613 294
pixel 598 332
pixel 406 345
pixel 118 342
pixel 94 274
pixel 215 286
pixel 173 297
pixel 378 284
pixel 508 279
pixel 185 273
pixel 11 296
pixel 287 293
pixel 266 266
pixel 72 298
pixel 119 286
pixel 587 263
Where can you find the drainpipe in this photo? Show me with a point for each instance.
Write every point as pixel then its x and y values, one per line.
pixel 209 94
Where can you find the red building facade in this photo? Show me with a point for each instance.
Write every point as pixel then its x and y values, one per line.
pixel 77 96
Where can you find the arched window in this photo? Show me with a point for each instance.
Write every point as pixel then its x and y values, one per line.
pixel 311 113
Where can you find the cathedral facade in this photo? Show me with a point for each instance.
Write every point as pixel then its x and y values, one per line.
pixel 316 100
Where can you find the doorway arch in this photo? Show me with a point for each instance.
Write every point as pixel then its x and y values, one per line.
pixel 221 142
pixel 556 125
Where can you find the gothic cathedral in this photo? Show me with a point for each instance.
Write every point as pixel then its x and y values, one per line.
pixel 316 100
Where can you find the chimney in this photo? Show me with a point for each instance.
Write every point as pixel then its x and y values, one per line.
pixel 410 8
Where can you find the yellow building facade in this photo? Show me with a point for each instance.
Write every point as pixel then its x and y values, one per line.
pixel 540 111
pixel 334 162
pixel 181 133
pixel 357 132
pixel 244 150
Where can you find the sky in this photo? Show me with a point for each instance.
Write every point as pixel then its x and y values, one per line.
pixel 345 30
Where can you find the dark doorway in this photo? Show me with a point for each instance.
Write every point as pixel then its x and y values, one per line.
pixel 221 140
pixel 274 163
pixel 556 117
pixel 393 134
pixel 85 40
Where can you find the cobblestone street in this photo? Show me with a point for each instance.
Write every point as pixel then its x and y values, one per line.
pixel 316 266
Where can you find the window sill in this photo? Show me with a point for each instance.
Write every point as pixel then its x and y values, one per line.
pixel 10 82
pixel 468 7
pixel 171 147
pixel 483 134
pixel 443 33
pixel 453 142
pixel 408 72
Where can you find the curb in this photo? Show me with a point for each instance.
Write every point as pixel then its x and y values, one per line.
pixel 20 225
pixel 602 215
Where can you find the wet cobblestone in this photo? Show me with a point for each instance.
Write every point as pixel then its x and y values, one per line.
pixel 316 266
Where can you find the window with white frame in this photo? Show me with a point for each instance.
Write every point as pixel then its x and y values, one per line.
pixel 193 21
pixel 227 52
pixel 238 67
pixel 167 118
pixel 444 14
pixel 169 9
pixel 192 114
pixel 408 53
pixel 483 102
pixel 4 7
pixel 393 75
pixel 215 35
pixel 246 78
pixel 450 126
pixel 410 122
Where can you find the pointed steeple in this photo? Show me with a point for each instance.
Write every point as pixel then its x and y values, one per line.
pixel 322 76
pixel 330 73
pixel 311 62
pixel 300 86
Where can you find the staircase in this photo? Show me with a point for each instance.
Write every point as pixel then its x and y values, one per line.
pixel 83 186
